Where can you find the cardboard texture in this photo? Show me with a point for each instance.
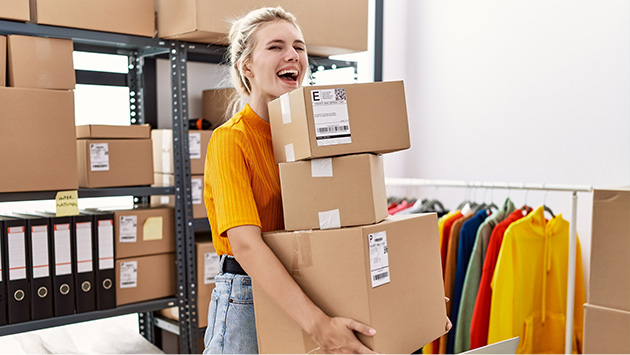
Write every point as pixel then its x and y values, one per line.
pixel 197 187
pixel 369 118
pixel 135 236
pixel 106 131
pixel 163 150
pixel 3 61
pixel 333 268
pixel 38 62
pixel 135 17
pixel 327 28
pixel 37 147
pixel 17 10
pixel 333 192
pixel 154 277
pixel 609 284
pixel 606 330
pixel 214 105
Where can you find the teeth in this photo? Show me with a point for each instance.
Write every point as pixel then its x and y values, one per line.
pixel 290 71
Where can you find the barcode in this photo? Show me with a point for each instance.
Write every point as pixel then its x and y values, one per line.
pixel 380 276
pixel 99 165
pixel 126 283
pixel 340 94
pixel 332 129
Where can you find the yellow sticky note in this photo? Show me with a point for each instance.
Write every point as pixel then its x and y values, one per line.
pixel 152 229
pixel 67 203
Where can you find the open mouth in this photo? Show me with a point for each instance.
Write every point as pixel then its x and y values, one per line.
pixel 288 75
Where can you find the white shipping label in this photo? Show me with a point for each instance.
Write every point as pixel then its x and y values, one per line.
pixel 330 114
pixel 195 186
pixel 63 256
pixel 105 244
pixel 17 253
pixel 194 145
pixel 128 229
pixel 84 247
pixel 128 274
pixel 285 108
pixel 379 260
pixel 39 250
pixel 211 267
pixel 99 157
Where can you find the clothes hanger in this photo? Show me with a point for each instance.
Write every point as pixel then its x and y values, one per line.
pixel 547 209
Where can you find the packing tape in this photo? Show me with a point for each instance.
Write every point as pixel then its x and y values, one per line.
pixel 285 108
pixel 289 153
pixel 302 256
pixel 329 219
pixel 321 167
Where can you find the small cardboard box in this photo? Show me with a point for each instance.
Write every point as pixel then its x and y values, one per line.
pixel 326 25
pixel 214 105
pixel 333 192
pixel 144 231
pixel 197 191
pixel 145 278
pixel 163 150
pixel 135 17
pixel 386 275
pixel 610 249
pixel 38 62
pixel 110 131
pixel 15 10
pixel 323 121
pixel 606 330
pixel 37 147
pixel 3 61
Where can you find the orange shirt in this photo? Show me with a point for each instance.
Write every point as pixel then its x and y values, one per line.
pixel 242 182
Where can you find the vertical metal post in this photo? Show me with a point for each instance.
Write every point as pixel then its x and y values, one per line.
pixel 145 324
pixel 378 40
pixel 568 339
pixel 136 95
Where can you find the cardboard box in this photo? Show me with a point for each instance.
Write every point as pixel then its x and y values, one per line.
pixel 38 62
pixel 327 28
pixel 163 150
pixel 145 278
pixel 214 105
pixel 135 17
pixel 401 294
pixel 15 10
pixel 606 330
pixel 333 192
pixel 197 190
pixel 37 147
pixel 144 231
pixel 3 61
pixel 610 249
pixel 323 121
pixel 110 131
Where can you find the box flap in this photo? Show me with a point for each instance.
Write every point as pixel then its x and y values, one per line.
pixel 110 131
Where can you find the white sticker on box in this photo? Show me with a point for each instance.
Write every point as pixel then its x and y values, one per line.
pixel 128 230
pixel 128 274
pixel 99 157
pixel 285 108
pixel 379 260
pixel 105 244
pixel 39 250
pixel 194 145
pixel 329 219
pixel 195 186
pixel 330 114
pixel 321 167
pixel 289 153
pixel 210 267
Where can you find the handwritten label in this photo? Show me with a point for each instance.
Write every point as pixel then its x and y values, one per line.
pixel 67 203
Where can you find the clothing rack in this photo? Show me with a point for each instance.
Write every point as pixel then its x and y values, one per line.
pixel 413 182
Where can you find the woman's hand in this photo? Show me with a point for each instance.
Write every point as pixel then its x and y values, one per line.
pixel 335 335
pixel 449 325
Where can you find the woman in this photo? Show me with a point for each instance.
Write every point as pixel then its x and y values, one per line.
pixel 242 195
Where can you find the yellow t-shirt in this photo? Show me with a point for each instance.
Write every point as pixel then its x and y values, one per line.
pixel 242 182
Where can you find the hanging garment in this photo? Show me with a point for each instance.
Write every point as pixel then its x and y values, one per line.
pixel 448 226
pixel 529 286
pixel 481 311
pixel 404 204
pixel 473 276
pixel 466 243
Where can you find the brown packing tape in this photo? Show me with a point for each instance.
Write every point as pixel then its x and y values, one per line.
pixel 302 256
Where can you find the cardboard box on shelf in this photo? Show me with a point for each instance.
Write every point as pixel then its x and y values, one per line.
pixel 163 150
pixel 37 147
pixel 144 231
pixel 327 28
pixel 610 249
pixel 3 61
pixel 387 275
pixel 333 192
pixel 214 105
pixel 110 131
pixel 145 278
pixel 323 121
pixel 121 16
pixel 38 62
pixel 17 10
pixel 606 330
pixel 197 190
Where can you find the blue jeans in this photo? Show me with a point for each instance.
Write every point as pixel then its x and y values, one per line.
pixel 231 324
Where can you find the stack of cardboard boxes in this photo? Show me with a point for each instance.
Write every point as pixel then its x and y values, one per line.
pixel 607 313
pixel 340 246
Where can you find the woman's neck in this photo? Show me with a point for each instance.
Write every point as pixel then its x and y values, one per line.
pixel 259 106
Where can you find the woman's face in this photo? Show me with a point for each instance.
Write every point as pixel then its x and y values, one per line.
pixel 278 62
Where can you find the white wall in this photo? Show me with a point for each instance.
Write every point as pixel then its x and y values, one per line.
pixel 514 91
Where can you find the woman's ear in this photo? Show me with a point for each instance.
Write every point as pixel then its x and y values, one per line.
pixel 245 69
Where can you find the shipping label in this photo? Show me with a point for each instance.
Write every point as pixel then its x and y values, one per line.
pixel 195 186
pixel 211 267
pixel 379 260
pixel 99 157
pixel 194 145
pixel 330 114
pixel 128 231
pixel 128 274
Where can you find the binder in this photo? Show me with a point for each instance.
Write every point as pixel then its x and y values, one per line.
pixel 83 264
pixel 103 247
pixel 18 292
pixel 3 277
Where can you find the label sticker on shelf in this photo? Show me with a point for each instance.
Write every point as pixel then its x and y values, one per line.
pixel 330 114
pixel 379 260
pixel 195 187
pixel 128 274
pixel 128 230
pixel 211 267
pixel 99 157
pixel 194 145
pixel 67 203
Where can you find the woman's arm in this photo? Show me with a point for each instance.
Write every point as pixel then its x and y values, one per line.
pixel 332 334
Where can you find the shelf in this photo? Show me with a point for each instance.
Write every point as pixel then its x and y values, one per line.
pixel 102 192
pixel 147 306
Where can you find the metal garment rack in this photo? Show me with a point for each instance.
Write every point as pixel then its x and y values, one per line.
pixel 574 189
